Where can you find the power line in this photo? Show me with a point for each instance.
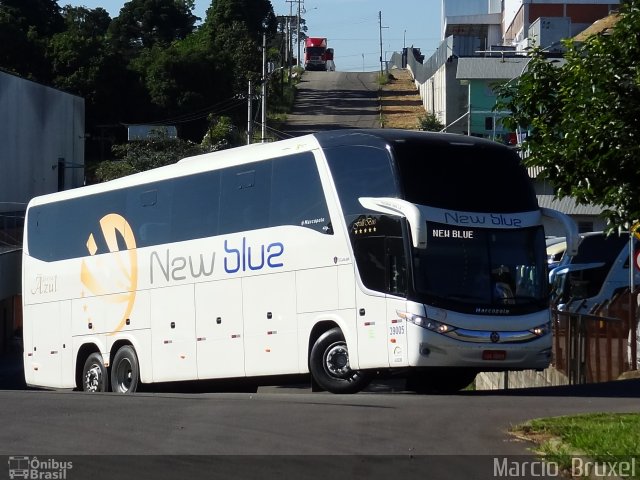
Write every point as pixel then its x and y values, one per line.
pixel 217 108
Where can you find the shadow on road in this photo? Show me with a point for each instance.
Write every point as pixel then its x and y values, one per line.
pixel 12 371
pixel 12 378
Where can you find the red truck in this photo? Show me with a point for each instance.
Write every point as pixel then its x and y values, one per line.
pixel 315 53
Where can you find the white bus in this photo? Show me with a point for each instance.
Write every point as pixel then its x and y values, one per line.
pixel 341 254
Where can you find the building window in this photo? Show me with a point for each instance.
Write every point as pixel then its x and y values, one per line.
pixel 585 227
pixel 488 123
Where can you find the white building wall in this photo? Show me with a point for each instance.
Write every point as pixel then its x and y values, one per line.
pixel 433 93
pixel 495 6
pixel 494 35
pixel 39 127
pixel 511 8
pixel 453 8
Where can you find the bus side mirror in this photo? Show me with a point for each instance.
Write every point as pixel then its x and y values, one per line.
pixel 400 208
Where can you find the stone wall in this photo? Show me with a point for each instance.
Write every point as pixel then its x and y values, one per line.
pixel 524 379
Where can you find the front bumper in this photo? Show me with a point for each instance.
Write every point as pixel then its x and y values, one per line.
pixel 430 349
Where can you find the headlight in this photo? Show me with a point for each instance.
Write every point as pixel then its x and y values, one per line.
pixel 427 323
pixel 541 330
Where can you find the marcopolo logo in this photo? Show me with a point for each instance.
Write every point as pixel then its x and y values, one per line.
pixel 38 469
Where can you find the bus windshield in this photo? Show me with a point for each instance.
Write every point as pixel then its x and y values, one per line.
pixel 474 269
pixel 315 51
pixel 481 268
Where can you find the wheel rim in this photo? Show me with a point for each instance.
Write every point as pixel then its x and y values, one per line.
pixel 123 375
pixel 336 361
pixel 93 379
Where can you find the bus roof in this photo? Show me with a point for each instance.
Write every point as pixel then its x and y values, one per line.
pixel 190 165
pixel 264 151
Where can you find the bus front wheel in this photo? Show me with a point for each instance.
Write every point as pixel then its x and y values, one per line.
pixel 125 373
pixel 94 374
pixel 329 365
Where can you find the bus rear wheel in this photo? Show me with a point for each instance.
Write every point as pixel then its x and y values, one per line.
pixel 329 365
pixel 125 373
pixel 94 374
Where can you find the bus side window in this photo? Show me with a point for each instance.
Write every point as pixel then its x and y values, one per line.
pixel 297 197
pixel 380 254
pixel 396 266
pixel 196 203
pixel 244 201
pixel 148 212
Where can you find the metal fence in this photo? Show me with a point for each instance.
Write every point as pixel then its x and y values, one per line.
pixel 598 346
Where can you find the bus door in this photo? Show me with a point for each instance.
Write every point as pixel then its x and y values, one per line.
pixel 270 324
pixel 48 355
pixel 219 329
pixel 381 264
pixel 173 333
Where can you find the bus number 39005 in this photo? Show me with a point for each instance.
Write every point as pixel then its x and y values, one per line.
pixel 396 330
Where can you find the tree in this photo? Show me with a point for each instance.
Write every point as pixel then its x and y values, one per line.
pixel 78 53
pixel 256 15
pixel 140 155
pixel 43 16
pixel 25 27
pixel 583 118
pixel 236 28
pixel 221 134
pixel 147 23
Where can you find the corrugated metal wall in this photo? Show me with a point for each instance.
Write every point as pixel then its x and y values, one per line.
pixel 41 130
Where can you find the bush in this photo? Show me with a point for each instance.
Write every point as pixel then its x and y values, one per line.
pixel 430 123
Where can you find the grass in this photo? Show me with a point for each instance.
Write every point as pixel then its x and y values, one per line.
pixel 400 101
pixel 600 437
pixel 382 79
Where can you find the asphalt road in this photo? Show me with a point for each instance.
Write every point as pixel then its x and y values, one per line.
pixel 288 432
pixel 331 100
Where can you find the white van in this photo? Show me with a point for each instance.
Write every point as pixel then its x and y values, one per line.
pixel 556 247
pixel 598 271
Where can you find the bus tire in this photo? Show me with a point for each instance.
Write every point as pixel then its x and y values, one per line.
pixel 440 380
pixel 125 372
pixel 94 374
pixel 329 365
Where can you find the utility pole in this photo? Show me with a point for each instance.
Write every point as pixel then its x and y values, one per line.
pixel 250 114
pixel 264 88
pixel 380 24
pixel 286 45
pixel 298 35
pixel 290 35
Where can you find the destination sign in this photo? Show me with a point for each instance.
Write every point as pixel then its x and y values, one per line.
pixel 451 233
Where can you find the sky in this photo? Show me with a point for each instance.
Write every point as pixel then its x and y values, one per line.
pixel 351 26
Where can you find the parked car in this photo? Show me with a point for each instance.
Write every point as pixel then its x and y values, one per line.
pixel 556 247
